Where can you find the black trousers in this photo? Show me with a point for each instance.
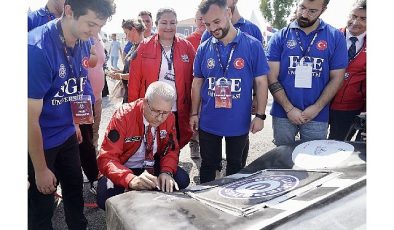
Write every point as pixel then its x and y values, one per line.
pixel 88 153
pixel 65 163
pixel 340 123
pixel 211 154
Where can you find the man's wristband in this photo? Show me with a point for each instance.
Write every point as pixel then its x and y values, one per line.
pixel 261 116
pixel 290 110
pixel 169 173
pixel 194 114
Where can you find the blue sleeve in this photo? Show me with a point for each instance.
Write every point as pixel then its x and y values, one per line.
pixel 257 34
pixel 197 63
pixel 339 58
pixel 205 36
pixel 39 73
pixel 259 61
pixel 274 49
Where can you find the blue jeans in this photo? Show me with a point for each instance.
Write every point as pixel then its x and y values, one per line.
pixel 285 131
pixel 114 62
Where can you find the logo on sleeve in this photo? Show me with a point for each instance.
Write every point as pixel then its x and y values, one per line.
pixel 210 63
pixel 291 44
pixel 321 45
pixel 239 63
pixel 85 62
pixel 185 58
pixel 62 71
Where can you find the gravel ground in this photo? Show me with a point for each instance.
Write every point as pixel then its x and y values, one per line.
pixel 259 143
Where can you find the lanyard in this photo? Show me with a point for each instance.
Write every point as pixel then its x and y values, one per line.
pixel 228 60
pixel 169 60
pixel 304 53
pixel 66 53
pixel 49 14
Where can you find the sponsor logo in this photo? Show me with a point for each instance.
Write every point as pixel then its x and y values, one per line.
pixel 62 71
pixel 321 45
pixel 132 139
pixel 263 186
pixel 239 63
pixel 291 44
pixel 210 63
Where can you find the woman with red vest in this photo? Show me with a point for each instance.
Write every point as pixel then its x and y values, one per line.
pixel 350 99
pixel 169 58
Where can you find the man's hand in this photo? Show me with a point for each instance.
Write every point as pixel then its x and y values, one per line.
pixel 256 125
pixel 194 122
pixel 295 116
pixel 45 181
pixel 145 181
pixel 79 134
pixel 167 183
pixel 311 112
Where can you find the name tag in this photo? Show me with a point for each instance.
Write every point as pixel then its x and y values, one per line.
pixel 303 75
pixel 223 97
pixel 82 111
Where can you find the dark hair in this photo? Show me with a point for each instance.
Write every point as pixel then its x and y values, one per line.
pixel 205 4
pixel 162 11
pixel 138 24
pixel 360 4
pixel 325 3
pixel 103 8
pixel 145 12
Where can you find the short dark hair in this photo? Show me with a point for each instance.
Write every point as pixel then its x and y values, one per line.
pixel 360 4
pixel 205 4
pixel 138 24
pixel 325 2
pixel 145 12
pixel 103 8
pixel 162 11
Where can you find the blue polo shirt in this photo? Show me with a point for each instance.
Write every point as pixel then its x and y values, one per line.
pixel 248 61
pixel 245 26
pixel 328 52
pixel 127 47
pixel 50 78
pixel 38 17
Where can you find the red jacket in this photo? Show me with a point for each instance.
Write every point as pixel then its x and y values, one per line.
pixel 145 69
pixel 352 94
pixel 195 39
pixel 128 122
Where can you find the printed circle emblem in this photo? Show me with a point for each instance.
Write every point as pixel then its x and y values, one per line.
pixel 321 45
pixel 259 187
pixel 62 71
pixel 85 62
pixel 239 63
pixel 211 63
pixel 291 44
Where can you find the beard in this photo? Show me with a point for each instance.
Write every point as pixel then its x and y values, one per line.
pixel 305 22
pixel 224 32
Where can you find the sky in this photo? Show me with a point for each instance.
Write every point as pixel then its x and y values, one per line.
pixel 335 15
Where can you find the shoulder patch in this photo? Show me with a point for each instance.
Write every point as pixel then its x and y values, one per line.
pixel 113 135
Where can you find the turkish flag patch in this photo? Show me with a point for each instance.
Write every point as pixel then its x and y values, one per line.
pixel 321 45
pixel 85 62
pixel 239 63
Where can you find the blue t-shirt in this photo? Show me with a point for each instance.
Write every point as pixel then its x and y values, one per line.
pixel 248 61
pixel 127 47
pixel 245 26
pixel 328 52
pixel 38 18
pixel 50 78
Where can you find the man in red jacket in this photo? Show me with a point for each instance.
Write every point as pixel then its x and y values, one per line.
pixel 140 150
pixel 350 99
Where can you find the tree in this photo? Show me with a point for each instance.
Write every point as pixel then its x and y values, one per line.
pixel 276 11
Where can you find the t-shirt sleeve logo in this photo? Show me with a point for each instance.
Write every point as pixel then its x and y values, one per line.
pixel 239 63
pixel 85 62
pixel 321 45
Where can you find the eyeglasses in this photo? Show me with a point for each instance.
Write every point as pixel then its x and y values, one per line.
pixel 310 12
pixel 157 112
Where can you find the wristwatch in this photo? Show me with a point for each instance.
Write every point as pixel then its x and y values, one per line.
pixel 261 116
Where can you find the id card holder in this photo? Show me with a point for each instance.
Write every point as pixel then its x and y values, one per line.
pixel 223 94
pixel 82 110
pixel 303 75
pixel 148 164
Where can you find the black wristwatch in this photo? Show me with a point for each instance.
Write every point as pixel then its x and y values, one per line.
pixel 261 116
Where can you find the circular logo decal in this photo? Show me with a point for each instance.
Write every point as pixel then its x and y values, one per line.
pixel 85 62
pixel 321 45
pixel 239 63
pixel 62 71
pixel 259 187
pixel 211 63
pixel 291 44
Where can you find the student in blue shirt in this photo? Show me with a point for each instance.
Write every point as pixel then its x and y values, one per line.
pixel 307 61
pixel 58 55
pixel 225 69
pixel 53 9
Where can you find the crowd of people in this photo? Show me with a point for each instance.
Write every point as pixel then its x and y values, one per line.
pixel 197 90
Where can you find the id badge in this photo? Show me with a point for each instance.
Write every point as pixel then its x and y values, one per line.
pixel 303 75
pixel 82 110
pixel 148 164
pixel 223 94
